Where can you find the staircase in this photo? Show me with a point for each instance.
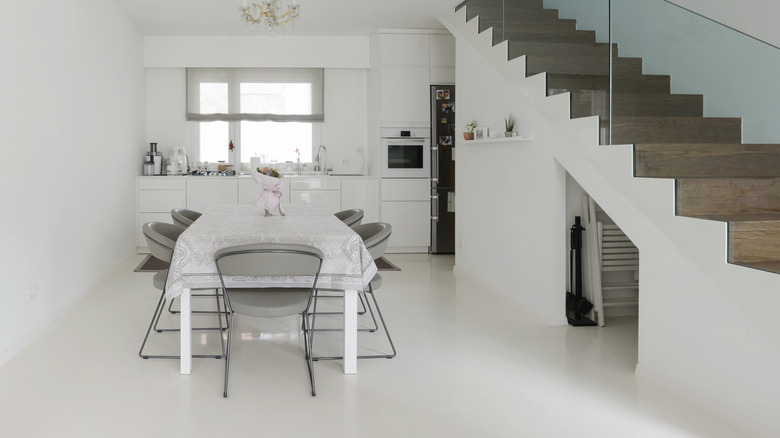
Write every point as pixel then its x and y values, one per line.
pixel 717 177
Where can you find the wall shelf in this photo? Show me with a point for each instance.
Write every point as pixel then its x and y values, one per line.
pixel 500 139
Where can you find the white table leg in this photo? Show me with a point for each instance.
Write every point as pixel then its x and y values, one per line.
pixel 350 332
pixel 186 332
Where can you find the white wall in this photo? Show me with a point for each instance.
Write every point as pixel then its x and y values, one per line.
pixel 71 121
pixel 345 59
pixel 510 226
pixel 707 329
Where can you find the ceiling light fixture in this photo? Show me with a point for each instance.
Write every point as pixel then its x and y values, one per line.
pixel 268 15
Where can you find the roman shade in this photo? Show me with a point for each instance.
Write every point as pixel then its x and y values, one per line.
pixel 260 94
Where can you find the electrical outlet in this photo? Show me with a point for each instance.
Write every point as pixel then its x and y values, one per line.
pixel 343 161
pixel 31 293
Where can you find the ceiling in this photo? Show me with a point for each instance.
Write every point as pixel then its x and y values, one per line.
pixel 317 17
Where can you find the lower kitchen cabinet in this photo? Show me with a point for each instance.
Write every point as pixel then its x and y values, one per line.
pixel 320 190
pixel 202 191
pixel 406 205
pixel 362 193
pixel 411 222
pixel 158 195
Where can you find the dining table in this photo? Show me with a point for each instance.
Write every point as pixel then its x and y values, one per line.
pixel 347 264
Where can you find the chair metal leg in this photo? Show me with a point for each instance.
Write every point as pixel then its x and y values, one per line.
pixel 360 312
pixel 227 353
pixel 171 310
pixel 384 325
pixel 218 311
pixel 366 307
pixel 307 340
pixel 157 311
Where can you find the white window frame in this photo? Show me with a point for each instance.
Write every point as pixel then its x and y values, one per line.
pixel 234 77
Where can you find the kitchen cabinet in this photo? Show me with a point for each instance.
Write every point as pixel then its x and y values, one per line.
pixel 156 197
pixel 409 62
pixel 405 96
pixel 325 191
pixel 362 193
pixel 406 205
pixel 202 191
pixel 442 50
pixel 404 49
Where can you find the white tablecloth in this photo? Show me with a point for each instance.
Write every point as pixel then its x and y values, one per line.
pixel 347 263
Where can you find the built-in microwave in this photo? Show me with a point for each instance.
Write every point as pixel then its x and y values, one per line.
pixel 406 153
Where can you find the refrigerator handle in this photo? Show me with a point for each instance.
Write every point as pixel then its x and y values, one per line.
pixel 434 164
pixel 435 208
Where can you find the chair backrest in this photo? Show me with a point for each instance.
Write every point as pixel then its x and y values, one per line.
pixel 375 236
pixel 269 259
pixel 161 239
pixel 350 217
pixel 183 217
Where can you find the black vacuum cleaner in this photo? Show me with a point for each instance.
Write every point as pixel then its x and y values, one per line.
pixel 576 305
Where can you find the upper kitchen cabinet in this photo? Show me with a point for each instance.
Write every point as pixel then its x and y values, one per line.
pixel 409 62
pixel 404 96
pixel 404 49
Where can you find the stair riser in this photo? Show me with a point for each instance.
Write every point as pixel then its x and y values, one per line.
pixel 707 160
pixel 584 104
pixel 728 197
pixel 545 36
pixel 675 130
pixel 557 83
pixel 554 26
pixel 582 65
pixel 754 242
pixel 520 48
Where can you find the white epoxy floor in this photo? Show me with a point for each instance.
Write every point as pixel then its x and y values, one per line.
pixel 470 364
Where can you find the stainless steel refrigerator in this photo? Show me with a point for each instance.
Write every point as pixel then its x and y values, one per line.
pixel 442 169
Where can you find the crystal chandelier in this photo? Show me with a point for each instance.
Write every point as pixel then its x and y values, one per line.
pixel 268 15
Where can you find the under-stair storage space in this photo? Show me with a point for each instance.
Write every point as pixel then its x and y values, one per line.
pixel 612 265
pixel 619 263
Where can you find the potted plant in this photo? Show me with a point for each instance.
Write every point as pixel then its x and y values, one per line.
pixel 509 125
pixel 469 134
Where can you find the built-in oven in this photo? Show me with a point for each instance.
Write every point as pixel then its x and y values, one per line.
pixel 406 152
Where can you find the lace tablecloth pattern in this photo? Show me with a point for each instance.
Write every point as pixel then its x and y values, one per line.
pixel 347 263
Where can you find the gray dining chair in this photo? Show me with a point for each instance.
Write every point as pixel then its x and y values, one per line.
pixel 236 263
pixel 161 239
pixel 375 236
pixel 351 217
pixel 183 217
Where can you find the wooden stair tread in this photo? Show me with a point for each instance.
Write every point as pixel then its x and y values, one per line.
pixel 753 242
pixel 597 103
pixel 559 83
pixel 628 130
pixel 734 199
pixel 720 160
pixel 582 64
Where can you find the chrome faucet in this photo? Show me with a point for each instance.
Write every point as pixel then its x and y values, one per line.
pixel 322 160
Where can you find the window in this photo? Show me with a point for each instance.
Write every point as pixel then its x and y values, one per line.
pixel 265 112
